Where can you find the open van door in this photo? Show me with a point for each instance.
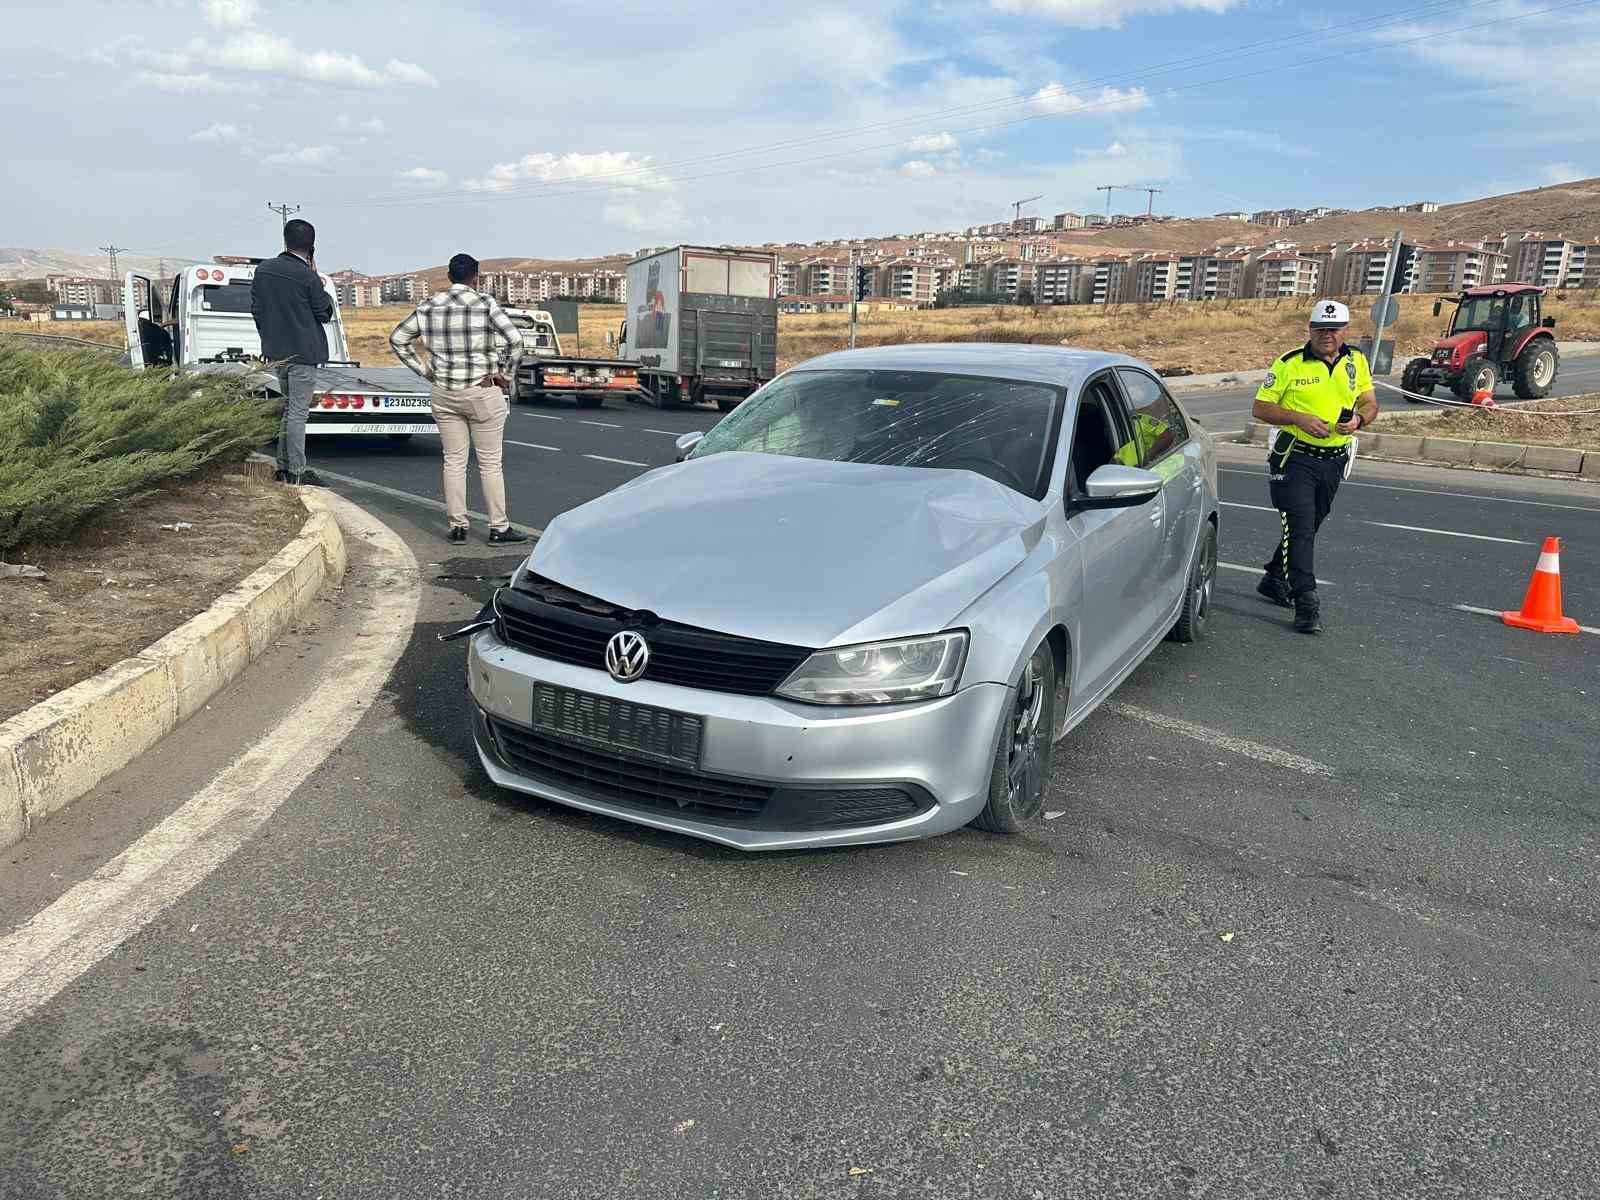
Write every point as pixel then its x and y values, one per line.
pixel 149 345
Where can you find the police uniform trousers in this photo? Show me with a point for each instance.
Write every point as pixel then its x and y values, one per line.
pixel 1303 480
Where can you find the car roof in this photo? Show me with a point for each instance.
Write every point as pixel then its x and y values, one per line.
pixel 1062 366
pixel 1503 289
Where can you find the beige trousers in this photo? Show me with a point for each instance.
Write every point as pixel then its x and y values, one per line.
pixel 472 419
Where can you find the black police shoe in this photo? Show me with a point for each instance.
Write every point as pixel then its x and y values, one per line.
pixel 509 534
pixel 458 535
pixel 1307 613
pixel 307 479
pixel 280 476
pixel 1276 589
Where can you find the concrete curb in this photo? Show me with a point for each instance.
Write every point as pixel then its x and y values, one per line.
pixel 1507 458
pixel 61 748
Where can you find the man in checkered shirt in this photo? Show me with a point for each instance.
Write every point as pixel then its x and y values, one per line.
pixel 465 332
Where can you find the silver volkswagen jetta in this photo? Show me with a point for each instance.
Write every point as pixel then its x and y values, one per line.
pixel 863 607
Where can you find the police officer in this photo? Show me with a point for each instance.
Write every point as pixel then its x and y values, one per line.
pixel 1318 394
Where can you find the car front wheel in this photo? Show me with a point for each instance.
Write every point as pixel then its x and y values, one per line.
pixel 1196 614
pixel 1026 749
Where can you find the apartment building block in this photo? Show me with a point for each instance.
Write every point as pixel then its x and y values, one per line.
pixel 1283 273
pixel 1366 264
pixel 1156 277
pixel 825 277
pixel 1067 220
pixel 1583 267
pixel 1219 276
pixel 1452 266
pixel 788 276
pixel 83 290
pixel 1540 258
pixel 1112 280
pixel 1009 278
pixel 1064 280
pixel 907 280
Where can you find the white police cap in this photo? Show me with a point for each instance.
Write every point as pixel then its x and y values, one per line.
pixel 1329 314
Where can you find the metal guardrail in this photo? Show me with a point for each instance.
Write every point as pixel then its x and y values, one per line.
pixel 61 339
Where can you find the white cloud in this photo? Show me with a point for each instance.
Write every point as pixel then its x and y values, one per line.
pixel 618 168
pixel 166 81
pixel 1056 100
pixel 427 176
pixel 404 72
pixel 302 156
pixel 227 14
pixel 217 132
pixel 918 168
pixel 988 156
pixel 660 218
pixel 371 125
pixel 933 143
pixel 1105 14
pixel 1115 150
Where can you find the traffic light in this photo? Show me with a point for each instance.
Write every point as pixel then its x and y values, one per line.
pixel 863 278
pixel 1402 268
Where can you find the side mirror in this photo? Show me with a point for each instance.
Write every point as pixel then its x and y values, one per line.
pixel 688 442
pixel 1548 323
pixel 1438 306
pixel 1116 486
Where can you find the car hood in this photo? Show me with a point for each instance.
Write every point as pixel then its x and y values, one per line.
pixel 794 550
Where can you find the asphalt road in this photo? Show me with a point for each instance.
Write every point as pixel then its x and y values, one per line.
pixel 1310 917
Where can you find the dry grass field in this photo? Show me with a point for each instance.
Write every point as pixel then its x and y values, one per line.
pixel 1198 336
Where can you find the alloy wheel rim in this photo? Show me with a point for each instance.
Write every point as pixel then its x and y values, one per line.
pixel 1208 574
pixel 1023 779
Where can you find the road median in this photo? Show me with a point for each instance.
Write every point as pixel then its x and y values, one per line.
pixel 61 748
pixel 1509 458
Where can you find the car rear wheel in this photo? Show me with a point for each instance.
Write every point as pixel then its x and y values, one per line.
pixel 1026 749
pixel 1195 618
pixel 1536 369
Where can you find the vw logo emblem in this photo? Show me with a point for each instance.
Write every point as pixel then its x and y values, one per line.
pixel 627 655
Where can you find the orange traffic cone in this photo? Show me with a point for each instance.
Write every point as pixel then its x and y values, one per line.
pixel 1541 607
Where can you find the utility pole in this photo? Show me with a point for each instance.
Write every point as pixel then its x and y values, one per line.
pixel 284 210
pixel 853 291
pixel 111 252
pixel 1380 310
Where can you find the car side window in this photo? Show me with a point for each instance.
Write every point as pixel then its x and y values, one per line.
pixel 1158 425
pixel 1096 433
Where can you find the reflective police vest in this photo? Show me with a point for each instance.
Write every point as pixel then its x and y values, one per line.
pixel 1302 382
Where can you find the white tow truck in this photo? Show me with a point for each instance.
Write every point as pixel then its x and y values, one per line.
pixel 199 320
pixel 544 373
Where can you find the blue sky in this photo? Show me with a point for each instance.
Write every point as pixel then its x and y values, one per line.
pixel 554 129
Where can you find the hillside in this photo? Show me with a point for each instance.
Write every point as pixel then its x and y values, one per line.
pixel 18 262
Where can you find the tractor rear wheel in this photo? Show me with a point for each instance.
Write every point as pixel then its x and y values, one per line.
pixel 1477 375
pixel 1411 380
pixel 1535 371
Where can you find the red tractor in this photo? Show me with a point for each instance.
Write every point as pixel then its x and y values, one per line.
pixel 1496 334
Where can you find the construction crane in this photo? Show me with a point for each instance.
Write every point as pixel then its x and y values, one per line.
pixel 1150 207
pixel 1016 206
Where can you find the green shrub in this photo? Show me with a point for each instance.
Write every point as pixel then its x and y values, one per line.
pixel 79 431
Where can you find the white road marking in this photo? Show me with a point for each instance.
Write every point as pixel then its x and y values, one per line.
pixel 1270 755
pixel 1495 613
pixel 601 424
pixel 674 432
pixel 1228 566
pixel 543 416
pixel 410 497
pixel 1255 507
pixel 1389 487
pixel 92 919
pixel 531 445
pixel 1477 537
pixel 626 462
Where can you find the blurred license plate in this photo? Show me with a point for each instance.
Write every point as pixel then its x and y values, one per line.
pixel 619 726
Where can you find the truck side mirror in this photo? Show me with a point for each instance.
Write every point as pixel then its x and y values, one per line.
pixel 1548 323
pixel 1438 305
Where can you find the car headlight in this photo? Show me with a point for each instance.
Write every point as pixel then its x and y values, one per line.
pixel 881 672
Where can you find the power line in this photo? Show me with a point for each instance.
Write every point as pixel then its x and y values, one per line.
pixel 594 181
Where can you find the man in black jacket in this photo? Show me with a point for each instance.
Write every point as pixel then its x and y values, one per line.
pixel 291 306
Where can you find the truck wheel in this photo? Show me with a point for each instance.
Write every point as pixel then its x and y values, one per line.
pixel 591 401
pixel 1535 371
pixel 1411 380
pixel 729 403
pixel 1477 375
